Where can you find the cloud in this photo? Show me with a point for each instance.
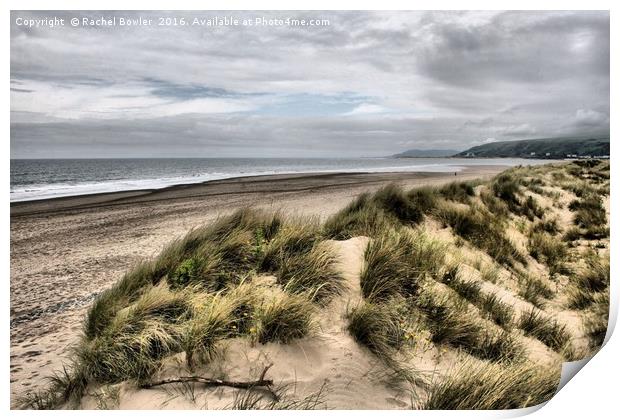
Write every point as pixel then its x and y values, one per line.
pixel 590 117
pixel 365 109
pixel 361 86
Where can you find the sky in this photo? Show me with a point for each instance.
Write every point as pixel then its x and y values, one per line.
pixel 367 84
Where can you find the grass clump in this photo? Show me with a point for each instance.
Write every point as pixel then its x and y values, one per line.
pixel 393 200
pixel 483 230
pixel 497 311
pixel 360 218
pixel 534 290
pixel 589 281
pixel 485 386
pixel 546 225
pixel 468 289
pixel 313 273
pixel 283 318
pixel 396 262
pixel 549 250
pixel 137 338
pixel 589 213
pixel 66 386
pixel 377 327
pixel 494 204
pixel 459 191
pixel 448 321
pixel 371 214
pixel 597 319
pixel 546 330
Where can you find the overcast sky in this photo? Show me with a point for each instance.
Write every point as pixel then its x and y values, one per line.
pixel 369 84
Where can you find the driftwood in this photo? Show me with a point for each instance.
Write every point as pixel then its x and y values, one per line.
pixel 209 382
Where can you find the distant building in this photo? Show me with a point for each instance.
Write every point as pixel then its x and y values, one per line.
pixel 533 154
pixel 547 154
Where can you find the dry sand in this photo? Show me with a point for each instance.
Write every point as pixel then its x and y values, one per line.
pixel 65 251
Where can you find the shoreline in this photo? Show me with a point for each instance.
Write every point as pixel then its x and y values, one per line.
pixel 186 190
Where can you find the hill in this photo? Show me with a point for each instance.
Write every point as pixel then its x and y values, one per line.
pixel 430 153
pixel 554 148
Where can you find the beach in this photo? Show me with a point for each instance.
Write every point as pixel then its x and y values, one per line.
pixel 65 251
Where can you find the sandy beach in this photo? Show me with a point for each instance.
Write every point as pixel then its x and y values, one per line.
pixel 65 251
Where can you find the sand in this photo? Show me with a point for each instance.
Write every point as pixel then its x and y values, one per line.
pixel 65 251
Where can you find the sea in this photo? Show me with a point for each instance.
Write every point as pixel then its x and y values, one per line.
pixel 37 179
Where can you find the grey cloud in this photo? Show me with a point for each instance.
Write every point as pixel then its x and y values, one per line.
pixel 450 78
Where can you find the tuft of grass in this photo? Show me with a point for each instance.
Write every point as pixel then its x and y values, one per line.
pixel 397 261
pixel 547 330
pixel 468 289
pixel 252 399
pixel 500 348
pixel 549 250
pixel 494 204
pixel 314 273
pixel 459 191
pixel 597 319
pixel 490 273
pixel 137 338
pixel 424 198
pixel 292 239
pixel 486 386
pixel 506 188
pixel 66 386
pixel 377 327
pixel 590 214
pixel 572 234
pixel 283 318
pixel 534 290
pixel 396 202
pixel 497 311
pixel 448 321
pixel 483 230
pixel 360 218
pixel 531 209
pixel 589 281
pixel 547 225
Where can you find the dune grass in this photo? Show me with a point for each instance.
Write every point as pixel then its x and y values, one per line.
pixel 482 230
pixel 547 225
pixel 549 250
pixel 362 217
pixel 204 288
pixel 547 330
pixel 396 262
pixel 488 386
pixel 587 282
pixel 497 311
pixel 589 212
pixel 459 191
pixel 283 318
pixel 597 319
pixel 378 327
pixel 533 289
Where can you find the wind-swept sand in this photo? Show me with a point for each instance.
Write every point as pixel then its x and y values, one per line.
pixel 65 251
